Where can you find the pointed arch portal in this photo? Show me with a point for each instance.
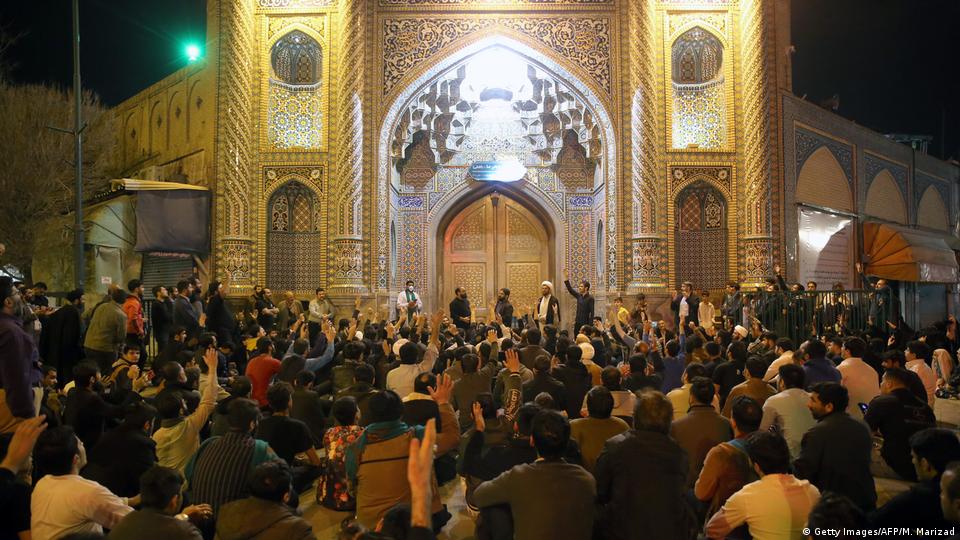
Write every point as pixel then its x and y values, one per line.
pixel 496 99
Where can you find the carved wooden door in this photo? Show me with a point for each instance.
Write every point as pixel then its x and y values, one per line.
pixel 493 243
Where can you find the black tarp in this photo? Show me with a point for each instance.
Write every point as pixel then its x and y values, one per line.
pixel 174 220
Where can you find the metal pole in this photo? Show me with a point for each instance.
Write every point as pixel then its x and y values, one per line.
pixel 77 153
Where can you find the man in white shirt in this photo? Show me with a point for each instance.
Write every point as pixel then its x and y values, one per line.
pixel 63 502
pixel 918 361
pixel 179 435
pixel 409 299
pixel 774 507
pixel 788 409
pixel 860 380
pixel 400 379
pixel 784 350
pixel 707 311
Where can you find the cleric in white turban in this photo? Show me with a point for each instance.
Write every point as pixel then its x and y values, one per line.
pixel 547 310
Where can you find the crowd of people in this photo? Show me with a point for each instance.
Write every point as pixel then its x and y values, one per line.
pixel 711 423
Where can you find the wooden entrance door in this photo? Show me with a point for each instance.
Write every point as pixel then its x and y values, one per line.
pixel 494 243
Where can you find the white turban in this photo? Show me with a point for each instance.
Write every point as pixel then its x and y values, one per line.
pixel 740 331
pixel 547 284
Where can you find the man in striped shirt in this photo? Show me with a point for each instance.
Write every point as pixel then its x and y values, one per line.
pixel 219 470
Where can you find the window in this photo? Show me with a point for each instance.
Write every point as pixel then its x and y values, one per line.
pixel 293 239
pixel 294 98
pixel 698 97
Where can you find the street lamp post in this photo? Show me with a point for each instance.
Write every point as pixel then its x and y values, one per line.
pixel 77 153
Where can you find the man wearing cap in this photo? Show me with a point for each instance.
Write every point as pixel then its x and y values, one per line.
pixel 547 309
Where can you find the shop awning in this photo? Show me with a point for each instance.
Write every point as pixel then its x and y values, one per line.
pixel 171 217
pixel 904 254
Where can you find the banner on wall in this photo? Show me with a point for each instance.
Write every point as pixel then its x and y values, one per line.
pixel 825 248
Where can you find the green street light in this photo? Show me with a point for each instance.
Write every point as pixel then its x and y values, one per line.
pixel 193 52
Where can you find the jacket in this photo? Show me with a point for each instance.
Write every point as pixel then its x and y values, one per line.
pixel 835 456
pixel 543 382
pixel 530 353
pixel 260 519
pixel 184 315
pixel 584 314
pixel 149 524
pixel 641 488
pixel 133 309
pixel 576 383
pixel 566 515
pixel 697 432
pixel 119 458
pixel 19 370
pixel 108 328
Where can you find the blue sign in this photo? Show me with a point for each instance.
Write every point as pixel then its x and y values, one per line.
pixel 497 171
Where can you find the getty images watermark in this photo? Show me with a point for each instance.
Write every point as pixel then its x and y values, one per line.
pixel 919 532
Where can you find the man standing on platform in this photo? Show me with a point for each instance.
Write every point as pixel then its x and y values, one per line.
pixel 408 297
pixel 686 308
pixel 504 308
pixel 460 312
pixel 547 310
pixel 320 308
pixel 584 316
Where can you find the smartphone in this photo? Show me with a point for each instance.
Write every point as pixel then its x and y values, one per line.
pixel 654 324
pixel 863 407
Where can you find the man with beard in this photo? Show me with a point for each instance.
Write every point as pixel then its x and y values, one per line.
pixel 460 312
pixel 835 453
pixel 732 308
pixel 584 314
pixel 161 316
pixel 20 369
pixel 60 339
pixel 547 309
pixel 504 308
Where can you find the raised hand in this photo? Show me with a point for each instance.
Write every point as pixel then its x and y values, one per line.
pixel 441 394
pixel 420 474
pixel 391 330
pixel 21 446
pixel 512 360
pixel 479 423
pixel 211 358
pixel 331 332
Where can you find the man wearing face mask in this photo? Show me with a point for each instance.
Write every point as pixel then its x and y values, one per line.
pixel 409 298
pixel 460 309
pixel 20 368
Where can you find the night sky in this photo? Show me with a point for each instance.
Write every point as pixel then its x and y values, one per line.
pixel 894 63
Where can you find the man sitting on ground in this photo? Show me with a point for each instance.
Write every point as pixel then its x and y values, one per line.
pixel 753 386
pixel 895 415
pixel 64 503
pixel 568 516
pixel 727 467
pixel 932 449
pixel 289 437
pixel 160 517
pixel 777 505
pixel 266 513
pixel 592 432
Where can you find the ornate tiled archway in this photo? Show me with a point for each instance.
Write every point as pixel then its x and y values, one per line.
pixel 574 211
